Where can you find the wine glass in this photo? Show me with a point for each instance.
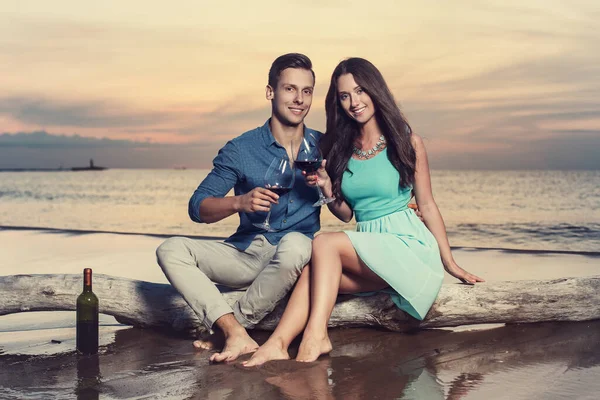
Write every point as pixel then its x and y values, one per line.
pixel 279 178
pixel 309 159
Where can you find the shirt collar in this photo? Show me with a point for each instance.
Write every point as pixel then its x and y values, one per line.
pixel 268 135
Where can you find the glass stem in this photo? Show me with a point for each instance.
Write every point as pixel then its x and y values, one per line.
pixel 268 218
pixel 321 195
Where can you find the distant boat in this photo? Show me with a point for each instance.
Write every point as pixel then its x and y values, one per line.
pixel 92 167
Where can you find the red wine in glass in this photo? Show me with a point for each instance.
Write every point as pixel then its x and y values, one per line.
pixel 279 178
pixel 309 159
pixel 280 191
pixel 308 166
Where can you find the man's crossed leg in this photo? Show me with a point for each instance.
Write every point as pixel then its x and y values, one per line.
pixel 267 272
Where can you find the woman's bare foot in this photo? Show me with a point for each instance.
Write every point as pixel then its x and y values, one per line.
pixel 312 347
pixel 235 345
pixel 273 349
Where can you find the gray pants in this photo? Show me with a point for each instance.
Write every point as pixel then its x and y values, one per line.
pixel 267 273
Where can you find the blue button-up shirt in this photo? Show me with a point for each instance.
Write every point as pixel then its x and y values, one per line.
pixel 241 164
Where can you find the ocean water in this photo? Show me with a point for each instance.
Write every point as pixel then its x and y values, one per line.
pixel 532 210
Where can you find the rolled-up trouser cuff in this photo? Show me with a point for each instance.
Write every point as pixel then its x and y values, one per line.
pixel 241 318
pixel 215 313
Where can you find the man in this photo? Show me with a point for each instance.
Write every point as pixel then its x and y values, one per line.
pixel 266 264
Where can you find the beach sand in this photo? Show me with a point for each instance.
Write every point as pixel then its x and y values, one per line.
pixel 546 360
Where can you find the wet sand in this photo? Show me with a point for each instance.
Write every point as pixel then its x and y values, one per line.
pixel 546 360
pixel 541 361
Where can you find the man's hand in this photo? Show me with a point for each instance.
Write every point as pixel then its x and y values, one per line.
pixel 258 199
pixel 417 211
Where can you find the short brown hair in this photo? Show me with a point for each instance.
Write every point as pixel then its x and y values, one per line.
pixel 290 60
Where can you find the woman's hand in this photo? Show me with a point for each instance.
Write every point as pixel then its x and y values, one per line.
pixel 319 178
pixel 415 208
pixel 459 273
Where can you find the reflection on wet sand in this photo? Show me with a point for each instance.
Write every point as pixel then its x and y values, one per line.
pixel 88 377
pixel 365 363
pixel 374 375
pixel 436 364
pixel 300 380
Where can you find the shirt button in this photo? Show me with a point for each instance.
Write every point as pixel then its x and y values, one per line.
pixel 284 221
pixel 291 201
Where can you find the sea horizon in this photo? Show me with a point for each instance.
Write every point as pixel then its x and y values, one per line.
pixel 221 237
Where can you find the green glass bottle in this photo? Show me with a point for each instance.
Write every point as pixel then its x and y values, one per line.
pixel 87 317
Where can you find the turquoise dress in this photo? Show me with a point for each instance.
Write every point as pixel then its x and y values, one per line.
pixel 390 238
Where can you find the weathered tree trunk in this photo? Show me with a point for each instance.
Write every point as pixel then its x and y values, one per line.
pixel 146 304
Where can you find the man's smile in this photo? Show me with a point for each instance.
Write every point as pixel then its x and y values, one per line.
pixel 297 110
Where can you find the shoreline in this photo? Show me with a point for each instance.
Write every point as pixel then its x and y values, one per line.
pixel 221 237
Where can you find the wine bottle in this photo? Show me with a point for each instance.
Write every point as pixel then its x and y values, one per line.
pixel 87 317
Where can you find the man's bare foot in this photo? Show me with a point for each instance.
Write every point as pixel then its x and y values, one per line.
pixel 312 347
pixel 235 345
pixel 209 342
pixel 271 350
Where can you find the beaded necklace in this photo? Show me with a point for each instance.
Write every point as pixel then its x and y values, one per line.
pixel 371 152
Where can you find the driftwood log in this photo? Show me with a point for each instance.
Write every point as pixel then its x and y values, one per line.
pixel 145 304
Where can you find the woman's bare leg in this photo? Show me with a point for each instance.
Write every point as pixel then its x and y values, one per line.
pixel 331 251
pixel 354 277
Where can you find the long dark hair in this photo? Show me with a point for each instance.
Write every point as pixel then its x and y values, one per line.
pixel 342 131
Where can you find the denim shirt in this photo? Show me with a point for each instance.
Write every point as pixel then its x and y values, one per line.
pixel 241 164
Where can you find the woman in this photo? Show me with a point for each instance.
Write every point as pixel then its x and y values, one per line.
pixel 374 161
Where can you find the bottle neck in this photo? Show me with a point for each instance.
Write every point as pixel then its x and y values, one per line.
pixel 87 280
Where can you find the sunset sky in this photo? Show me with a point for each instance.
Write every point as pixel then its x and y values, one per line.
pixel 148 84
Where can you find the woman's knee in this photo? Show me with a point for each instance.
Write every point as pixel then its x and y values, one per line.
pixel 327 242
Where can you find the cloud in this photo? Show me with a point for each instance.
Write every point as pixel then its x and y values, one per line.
pixel 489 80
pixel 512 109
pixel 113 119
pixel 41 149
pixel 43 140
pixel 78 114
pixel 575 151
pixel 574 70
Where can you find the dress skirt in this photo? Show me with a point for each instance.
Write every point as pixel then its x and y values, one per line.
pixel 401 250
